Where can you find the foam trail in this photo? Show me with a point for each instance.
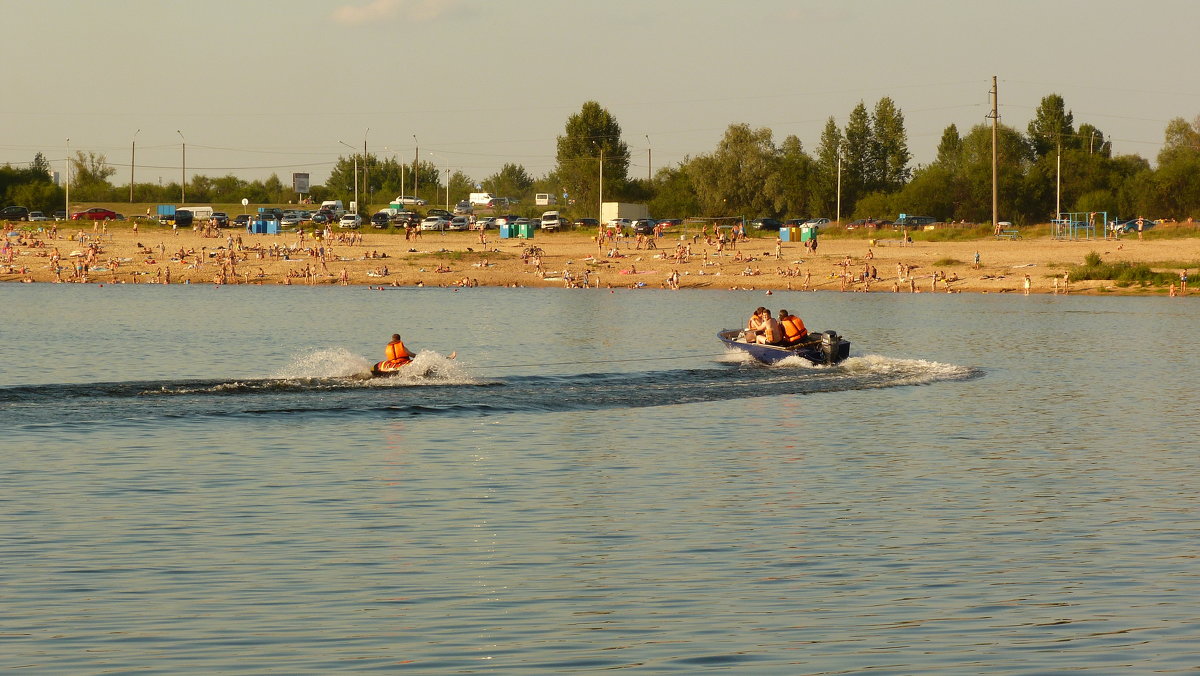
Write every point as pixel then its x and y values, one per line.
pixel 427 368
pixel 332 362
pixel 906 371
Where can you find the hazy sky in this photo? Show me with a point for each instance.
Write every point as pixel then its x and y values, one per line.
pixel 263 86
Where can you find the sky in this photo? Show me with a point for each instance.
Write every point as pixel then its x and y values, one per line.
pixel 263 87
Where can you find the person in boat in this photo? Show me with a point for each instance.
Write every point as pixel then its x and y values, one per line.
pixel 794 331
pixel 395 355
pixel 755 325
pixel 772 332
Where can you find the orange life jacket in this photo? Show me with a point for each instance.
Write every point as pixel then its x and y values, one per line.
pixel 397 354
pixel 793 328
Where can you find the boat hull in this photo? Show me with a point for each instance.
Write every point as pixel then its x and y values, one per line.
pixel 826 348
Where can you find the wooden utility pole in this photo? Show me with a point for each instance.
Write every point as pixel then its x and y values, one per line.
pixel 995 155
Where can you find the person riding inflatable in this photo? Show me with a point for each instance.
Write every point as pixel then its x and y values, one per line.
pixel 395 355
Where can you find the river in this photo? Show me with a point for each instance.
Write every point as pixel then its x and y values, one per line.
pixel 195 480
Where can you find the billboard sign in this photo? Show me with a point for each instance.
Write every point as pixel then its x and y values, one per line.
pixel 300 183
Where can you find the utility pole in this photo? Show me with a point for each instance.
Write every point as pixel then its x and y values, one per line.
pixel 132 162
pixel 839 186
pixel 995 154
pixel 416 161
pixel 182 169
pixel 366 171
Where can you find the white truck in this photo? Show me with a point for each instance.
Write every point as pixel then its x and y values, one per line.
pixel 611 211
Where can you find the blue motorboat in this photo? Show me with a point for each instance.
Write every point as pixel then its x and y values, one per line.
pixel 820 348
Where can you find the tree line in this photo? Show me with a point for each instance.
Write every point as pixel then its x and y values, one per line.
pixel 866 163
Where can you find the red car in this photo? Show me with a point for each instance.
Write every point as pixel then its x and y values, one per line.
pixel 95 214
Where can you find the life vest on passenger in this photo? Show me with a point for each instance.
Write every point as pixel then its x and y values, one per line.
pixel 396 354
pixel 793 329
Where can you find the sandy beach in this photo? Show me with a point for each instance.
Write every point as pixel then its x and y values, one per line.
pixel 120 255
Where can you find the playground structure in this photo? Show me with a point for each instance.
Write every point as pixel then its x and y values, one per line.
pixel 1079 225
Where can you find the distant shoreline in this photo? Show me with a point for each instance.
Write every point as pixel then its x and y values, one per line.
pixel 458 259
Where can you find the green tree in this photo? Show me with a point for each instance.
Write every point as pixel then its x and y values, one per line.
pixel 741 176
pixel 89 177
pixel 1180 139
pixel 823 178
pixel 591 134
pixel 1052 127
pixel 511 181
pixel 674 194
pixel 949 151
pixel 859 168
pixel 889 148
pixel 795 172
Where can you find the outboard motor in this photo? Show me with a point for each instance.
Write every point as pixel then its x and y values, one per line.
pixel 829 346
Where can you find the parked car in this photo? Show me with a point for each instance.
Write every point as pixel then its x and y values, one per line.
pixel 485 223
pixel 463 207
pixel 241 220
pixel 670 222
pixel 506 219
pixel 643 226
pixel 766 224
pixel 1131 225
pixel 14 213
pixel 459 223
pixel 381 219
pixel 587 223
pixel 440 212
pixel 818 222
pixel 914 222
pixel 406 199
pixel 38 216
pixel 620 223
pixel 220 219
pixel 93 214
pixel 406 218
pixel 291 220
pixel 60 215
pixel 434 223
pixel 795 222
pixel 183 218
pixel 350 221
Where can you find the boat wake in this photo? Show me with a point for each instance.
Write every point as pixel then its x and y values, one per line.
pixel 334 381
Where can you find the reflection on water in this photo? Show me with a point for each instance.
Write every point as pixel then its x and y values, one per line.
pixel 990 484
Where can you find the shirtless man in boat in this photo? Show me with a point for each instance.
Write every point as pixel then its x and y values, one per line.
pixel 772 332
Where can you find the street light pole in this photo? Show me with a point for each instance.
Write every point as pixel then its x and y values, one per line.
pixel 355 154
pixel 182 170
pixel 416 161
pixel 600 215
pixel 68 179
pixel 649 159
pixel 132 162
pixel 366 169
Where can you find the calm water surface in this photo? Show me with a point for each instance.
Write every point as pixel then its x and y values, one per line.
pixel 192 480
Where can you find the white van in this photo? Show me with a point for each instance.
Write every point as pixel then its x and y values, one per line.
pixel 335 206
pixel 200 213
pixel 551 221
pixel 480 199
pixel 543 199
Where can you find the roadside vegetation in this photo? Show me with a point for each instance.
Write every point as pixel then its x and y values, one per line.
pixel 1121 273
pixel 750 173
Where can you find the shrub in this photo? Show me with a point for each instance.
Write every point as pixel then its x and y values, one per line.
pixel 1123 272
